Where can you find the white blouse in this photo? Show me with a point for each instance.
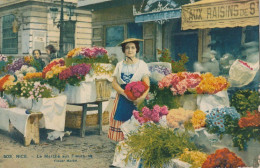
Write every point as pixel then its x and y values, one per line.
pixel 142 71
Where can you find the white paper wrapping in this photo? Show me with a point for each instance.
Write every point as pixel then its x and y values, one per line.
pixel 209 101
pixel 240 75
pixel 53 109
pixel 211 142
pixel 129 126
pixel 84 93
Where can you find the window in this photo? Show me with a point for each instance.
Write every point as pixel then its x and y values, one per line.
pixel 114 35
pixel 68 36
pixel 10 39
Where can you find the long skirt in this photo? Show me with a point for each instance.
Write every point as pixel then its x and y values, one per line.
pixel 114 132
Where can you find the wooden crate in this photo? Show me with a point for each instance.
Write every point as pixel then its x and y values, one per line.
pixel 73 119
pixel 103 89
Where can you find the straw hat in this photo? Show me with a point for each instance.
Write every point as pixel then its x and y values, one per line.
pixel 130 40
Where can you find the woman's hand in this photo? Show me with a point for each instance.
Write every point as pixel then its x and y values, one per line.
pixel 138 101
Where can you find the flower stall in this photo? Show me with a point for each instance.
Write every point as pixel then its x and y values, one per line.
pixel 199 108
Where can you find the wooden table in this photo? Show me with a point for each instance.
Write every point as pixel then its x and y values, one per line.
pixel 85 108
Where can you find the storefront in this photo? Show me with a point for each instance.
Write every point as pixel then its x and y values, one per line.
pixel 231 25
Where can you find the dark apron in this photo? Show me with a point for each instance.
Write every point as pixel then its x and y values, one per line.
pixel 124 108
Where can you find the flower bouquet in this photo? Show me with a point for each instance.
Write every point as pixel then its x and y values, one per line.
pixel 147 114
pixel 23 71
pixel 35 76
pixel 180 82
pixel 223 158
pixel 211 85
pixel 251 120
pixel 242 73
pixel 215 121
pixel 3 103
pixel 177 117
pixel 195 158
pixel 75 74
pixel 87 55
pixel 135 90
pixel 6 81
pixel 56 62
pixel 156 145
pixel 16 65
pixel 198 119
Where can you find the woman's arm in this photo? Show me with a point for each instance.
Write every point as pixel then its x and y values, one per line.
pixel 117 87
pixel 141 99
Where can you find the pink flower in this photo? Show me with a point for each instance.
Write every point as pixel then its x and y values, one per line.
pixel 164 110
pixel 136 114
pixel 146 112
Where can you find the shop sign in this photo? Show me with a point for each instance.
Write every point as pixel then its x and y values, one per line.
pixel 220 13
pixel 158 16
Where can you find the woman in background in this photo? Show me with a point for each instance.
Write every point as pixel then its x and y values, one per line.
pixel 51 52
pixel 38 63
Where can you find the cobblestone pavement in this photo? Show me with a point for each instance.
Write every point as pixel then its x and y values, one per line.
pixel 92 151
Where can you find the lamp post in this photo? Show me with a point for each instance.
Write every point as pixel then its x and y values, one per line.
pixel 61 29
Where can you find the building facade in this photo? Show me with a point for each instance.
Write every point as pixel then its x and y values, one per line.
pixel 26 25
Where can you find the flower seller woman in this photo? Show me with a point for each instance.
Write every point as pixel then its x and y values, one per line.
pixel 129 70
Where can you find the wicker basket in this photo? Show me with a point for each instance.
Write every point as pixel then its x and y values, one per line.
pixel 103 89
pixel 73 119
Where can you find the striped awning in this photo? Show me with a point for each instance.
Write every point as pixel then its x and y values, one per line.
pixel 220 14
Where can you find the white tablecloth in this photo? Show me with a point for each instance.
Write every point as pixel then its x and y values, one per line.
pixel 53 109
pixel 17 117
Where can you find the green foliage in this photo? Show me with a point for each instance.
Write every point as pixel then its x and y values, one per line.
pixel 56 82
pixel 75 80
pixel 161 97
pixel 240 136
pixel 156 145
pixel 245 100
pixel 177 66
pixel 14 89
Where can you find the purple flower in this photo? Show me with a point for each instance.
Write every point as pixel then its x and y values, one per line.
pixel 80 69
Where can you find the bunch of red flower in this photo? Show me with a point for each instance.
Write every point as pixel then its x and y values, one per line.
pixel 50 65
pixel 250 120
pixel 223 158
pixel 245 64
pixel 135 90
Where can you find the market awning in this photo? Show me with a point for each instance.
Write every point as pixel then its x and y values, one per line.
pixel 220 14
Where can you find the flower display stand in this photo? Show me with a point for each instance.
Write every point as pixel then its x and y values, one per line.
pixel 32 129
pixel 53 109
pixel 26 124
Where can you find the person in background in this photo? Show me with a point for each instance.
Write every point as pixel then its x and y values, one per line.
pixel 129 70
pixel 38 63
pixel 51 52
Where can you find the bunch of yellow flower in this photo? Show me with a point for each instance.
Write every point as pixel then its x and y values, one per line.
pixel 55 70
pixel 30 75
pixel 74 52
pixel 177 117
pixel 195 158
pixel 99 69
pixel 198 119
pixel 28 59
pixel 9 81
pixel 211 85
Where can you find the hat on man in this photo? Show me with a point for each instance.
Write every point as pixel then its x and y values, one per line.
pixel 130 40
